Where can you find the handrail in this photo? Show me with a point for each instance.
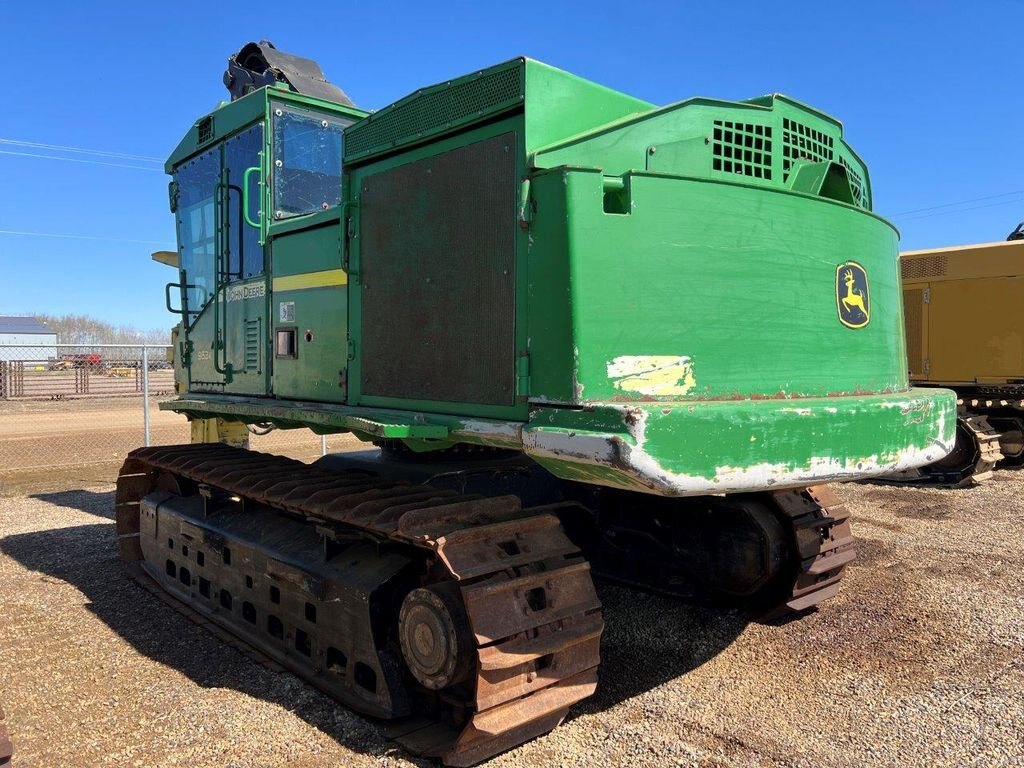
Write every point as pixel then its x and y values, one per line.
pixel 219 284
pixel 245 199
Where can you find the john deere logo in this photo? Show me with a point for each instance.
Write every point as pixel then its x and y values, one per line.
pixel 852 298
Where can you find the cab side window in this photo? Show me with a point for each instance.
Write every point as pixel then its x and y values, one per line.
pixel 242 248
pixel 197 228
pixel 307 161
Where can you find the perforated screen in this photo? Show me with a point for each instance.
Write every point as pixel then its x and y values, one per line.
pixel 801 142
pixel 435 110
pixel 438 276
pixel 923 267
pixel 742 148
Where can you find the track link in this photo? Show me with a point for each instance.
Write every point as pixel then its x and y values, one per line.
pixel 820 526
pixel 533 617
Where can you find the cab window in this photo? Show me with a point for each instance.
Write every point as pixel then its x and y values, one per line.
pixel 307 152
pixel 197 233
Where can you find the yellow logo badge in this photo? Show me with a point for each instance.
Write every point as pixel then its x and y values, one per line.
pixel 852 297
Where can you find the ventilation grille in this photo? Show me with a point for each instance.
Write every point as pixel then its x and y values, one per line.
pixel 205 127
pixel 924 267
pixel 799 142
pixel 913 309
pixel 860 191
pixel 432 111
pixel 456 249
pixel 742 148
pixel 252 345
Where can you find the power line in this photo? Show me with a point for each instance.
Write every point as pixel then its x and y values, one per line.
pixel 79 160
pixel 21 233
pixel 962 210
pixel 961 202
pixel 80 150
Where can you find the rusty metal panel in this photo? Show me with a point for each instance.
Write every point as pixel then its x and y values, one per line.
pixel 437 259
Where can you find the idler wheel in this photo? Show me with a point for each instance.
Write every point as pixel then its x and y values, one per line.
pixel 1011 438
pixel 436 642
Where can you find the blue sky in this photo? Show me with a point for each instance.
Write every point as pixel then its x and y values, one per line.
pixel 926 91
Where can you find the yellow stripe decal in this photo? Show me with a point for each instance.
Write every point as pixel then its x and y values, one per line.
pixel 328 277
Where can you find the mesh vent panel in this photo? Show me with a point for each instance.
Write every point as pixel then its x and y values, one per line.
pixel 428 113
pixel 924 267
pixel 437 256
pixel 742 148
pixel 860 192
pixel 205 129
pixel 800 142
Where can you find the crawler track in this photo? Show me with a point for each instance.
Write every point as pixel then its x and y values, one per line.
pixel 975 454
pixel 788 555
pixel 820 527
pixel 511 591
pixel 468 621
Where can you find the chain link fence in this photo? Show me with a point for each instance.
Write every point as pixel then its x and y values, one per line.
pixel 70 413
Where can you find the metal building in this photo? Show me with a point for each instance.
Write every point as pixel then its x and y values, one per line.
pixel 26 338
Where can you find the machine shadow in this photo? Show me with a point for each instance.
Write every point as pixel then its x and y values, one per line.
pixel 91 502
pixel 648 639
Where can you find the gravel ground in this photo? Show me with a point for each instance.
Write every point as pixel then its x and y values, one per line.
pixel 918 662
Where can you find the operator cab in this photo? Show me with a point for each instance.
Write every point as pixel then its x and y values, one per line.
pixel 253 170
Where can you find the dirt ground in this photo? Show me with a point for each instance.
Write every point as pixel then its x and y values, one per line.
pixel 50 445
pixel 918 662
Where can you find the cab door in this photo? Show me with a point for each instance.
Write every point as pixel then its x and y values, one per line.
pixel 243 329
pixel 223 268
pixel 309 309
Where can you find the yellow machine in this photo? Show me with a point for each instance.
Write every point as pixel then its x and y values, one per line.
pixel 965 331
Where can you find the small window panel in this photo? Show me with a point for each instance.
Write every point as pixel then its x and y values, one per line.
pixel 307 152
pixel 285 345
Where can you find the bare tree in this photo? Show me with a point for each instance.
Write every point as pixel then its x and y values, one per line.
pixel 83 329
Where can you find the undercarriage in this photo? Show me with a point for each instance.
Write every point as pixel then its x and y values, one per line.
pixel 456 601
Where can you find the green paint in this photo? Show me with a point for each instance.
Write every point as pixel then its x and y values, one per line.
pixel 790 442
pixel 675 311
pixel 747 274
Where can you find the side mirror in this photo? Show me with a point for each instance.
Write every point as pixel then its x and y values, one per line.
pixel 167 298
pixel 172 195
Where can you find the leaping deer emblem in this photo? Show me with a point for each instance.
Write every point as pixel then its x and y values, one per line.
pixel 852 298
pixel 856 297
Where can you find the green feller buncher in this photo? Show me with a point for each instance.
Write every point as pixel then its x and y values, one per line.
pixel 586 334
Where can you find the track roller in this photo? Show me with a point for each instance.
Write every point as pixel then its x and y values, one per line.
pixel 437 644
